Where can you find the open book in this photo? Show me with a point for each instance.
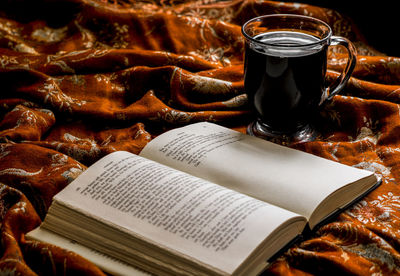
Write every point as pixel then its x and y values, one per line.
pixel 200 200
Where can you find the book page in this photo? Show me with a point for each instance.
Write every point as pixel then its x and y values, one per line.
pixel 106 263
pixel 188 215
pixel 291 179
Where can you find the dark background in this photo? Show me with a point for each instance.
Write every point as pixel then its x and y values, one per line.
pixel 379 20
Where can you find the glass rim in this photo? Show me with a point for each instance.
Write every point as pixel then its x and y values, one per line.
pixel 258 18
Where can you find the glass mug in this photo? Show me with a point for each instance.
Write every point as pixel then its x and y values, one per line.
pixel 285 68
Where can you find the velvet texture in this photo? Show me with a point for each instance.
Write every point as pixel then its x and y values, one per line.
pixel 83 78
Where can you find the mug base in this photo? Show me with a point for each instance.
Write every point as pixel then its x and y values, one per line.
pixel 305 134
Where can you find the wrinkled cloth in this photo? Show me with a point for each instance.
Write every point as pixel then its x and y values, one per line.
pixel 83 78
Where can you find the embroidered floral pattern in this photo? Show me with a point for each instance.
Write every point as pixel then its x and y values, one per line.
pixel 173 116
pixel 383 210
pixel 54 96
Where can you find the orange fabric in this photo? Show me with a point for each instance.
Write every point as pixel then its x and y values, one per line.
pixel 82 78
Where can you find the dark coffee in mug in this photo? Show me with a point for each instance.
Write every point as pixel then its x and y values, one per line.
pixel 285 71
pixel 285 87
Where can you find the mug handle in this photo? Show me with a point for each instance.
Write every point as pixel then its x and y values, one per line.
pixel 341 81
